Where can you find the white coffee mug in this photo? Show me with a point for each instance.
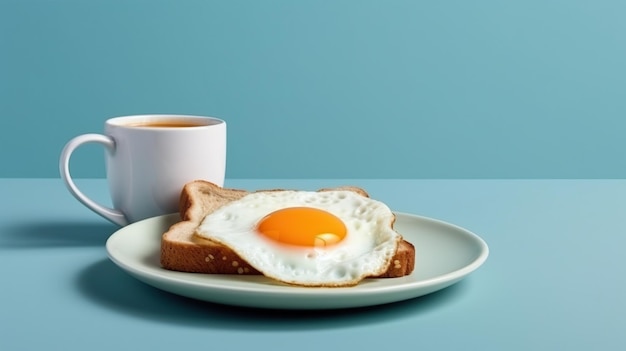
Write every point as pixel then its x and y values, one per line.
pixel 149 158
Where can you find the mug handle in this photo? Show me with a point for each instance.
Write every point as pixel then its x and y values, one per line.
pixel 111 214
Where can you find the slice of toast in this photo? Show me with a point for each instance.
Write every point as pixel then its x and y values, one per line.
pixel 182 250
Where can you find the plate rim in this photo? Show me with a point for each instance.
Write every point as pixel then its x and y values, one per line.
pixel 171 277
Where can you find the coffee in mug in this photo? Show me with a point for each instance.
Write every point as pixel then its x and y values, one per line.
pixel 149 158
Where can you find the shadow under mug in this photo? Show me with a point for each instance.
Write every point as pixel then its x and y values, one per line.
pixel 149 158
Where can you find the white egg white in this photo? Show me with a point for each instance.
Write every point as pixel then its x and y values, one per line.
pixel 367 249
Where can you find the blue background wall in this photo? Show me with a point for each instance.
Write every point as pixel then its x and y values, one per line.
pixel 338 89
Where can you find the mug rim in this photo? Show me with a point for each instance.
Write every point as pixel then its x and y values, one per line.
pixel 125 121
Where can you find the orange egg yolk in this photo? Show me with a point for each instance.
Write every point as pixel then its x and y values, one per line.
pixel 303 226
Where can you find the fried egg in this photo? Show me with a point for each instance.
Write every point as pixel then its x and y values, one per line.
pixel 326 238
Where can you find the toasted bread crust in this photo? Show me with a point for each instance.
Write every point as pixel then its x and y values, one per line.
pixel 200 256
pixel 182 250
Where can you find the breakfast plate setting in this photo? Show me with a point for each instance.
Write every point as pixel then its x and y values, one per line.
pixel 444 254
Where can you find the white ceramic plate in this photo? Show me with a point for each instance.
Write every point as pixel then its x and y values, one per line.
pixel 445 254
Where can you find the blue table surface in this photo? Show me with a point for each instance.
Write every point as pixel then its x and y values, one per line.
pixel 555 277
